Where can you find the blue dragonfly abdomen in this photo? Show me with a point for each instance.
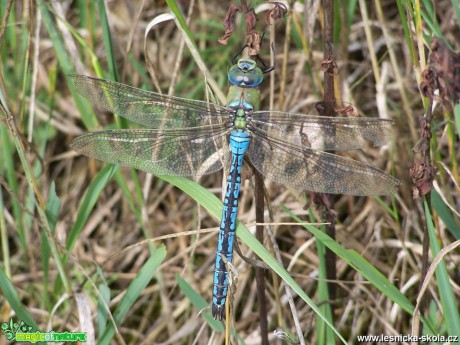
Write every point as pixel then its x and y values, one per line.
pixel 239 144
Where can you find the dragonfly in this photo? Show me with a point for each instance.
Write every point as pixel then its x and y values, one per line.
pixel 184 137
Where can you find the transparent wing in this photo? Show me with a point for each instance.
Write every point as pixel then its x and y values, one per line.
pixel 305 169
pixel 323 132
pixel 161 152
pixel 146 108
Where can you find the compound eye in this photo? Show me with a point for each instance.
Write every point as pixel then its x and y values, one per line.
pixel 254 78
pixel 235 76
pixel 245 73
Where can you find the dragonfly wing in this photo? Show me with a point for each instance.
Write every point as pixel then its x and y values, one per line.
pixel 306 169
pixel 160 152
pixel 323 132
pixel 146 108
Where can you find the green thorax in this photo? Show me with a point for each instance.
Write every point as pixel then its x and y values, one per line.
pixel 244 94
pixel 249 95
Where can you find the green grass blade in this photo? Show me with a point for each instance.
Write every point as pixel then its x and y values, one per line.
pixel 62 56
pixel 457 118
pixel 350 11
pixel 429 16
pixel 11 295
pixel 95 188
pixel 5 250
pixel 447 296
pixel 359 264
pixel 53 207
pixel 407 32
pixel 64 59
pixel 107 38
pixel 445 214
pixel 324 334
pixel 103 302
pixel 9 165
pixel 134 290
pixel 182 24
pixel 456 11
pixel 199 303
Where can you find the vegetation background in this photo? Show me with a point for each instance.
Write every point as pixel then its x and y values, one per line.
pixel 79 238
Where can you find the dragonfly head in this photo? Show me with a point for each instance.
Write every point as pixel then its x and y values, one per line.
pixel 245 74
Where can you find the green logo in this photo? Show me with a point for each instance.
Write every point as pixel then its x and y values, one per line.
pixel 10 330
pixel 22 332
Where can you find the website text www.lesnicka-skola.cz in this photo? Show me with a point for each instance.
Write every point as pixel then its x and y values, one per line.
pixel 453 339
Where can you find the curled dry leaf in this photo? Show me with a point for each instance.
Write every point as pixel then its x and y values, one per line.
pixel 422 175
pixel 278 11
pixel 252 38
pixel 229 23
pixel 425 133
